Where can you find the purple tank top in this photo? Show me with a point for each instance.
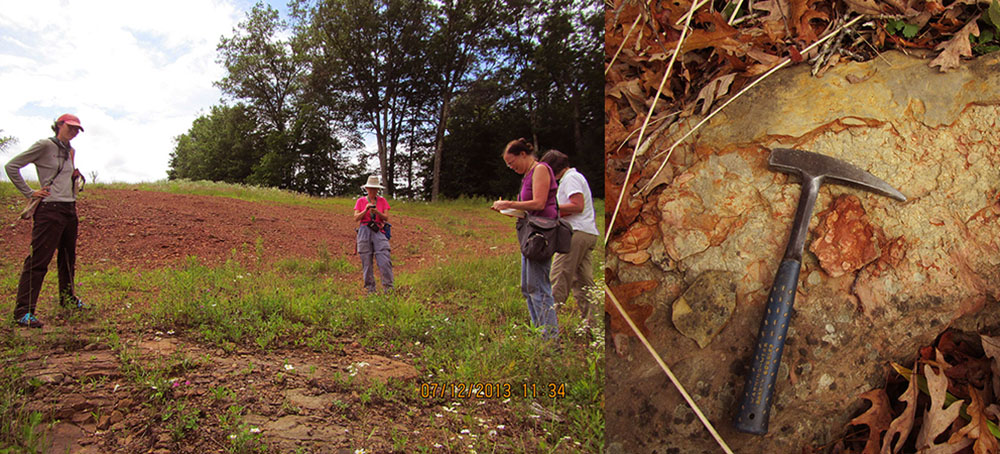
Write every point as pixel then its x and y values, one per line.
pixel 551 209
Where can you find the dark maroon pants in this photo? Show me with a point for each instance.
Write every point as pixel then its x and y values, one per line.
pixel 54 228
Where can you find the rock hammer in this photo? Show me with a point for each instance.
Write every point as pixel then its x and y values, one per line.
pixel 814 169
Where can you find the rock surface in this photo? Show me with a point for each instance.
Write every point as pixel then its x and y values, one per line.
pixel 705 307
pixel 906 270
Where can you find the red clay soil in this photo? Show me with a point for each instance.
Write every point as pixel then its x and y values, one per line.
pixel 143 229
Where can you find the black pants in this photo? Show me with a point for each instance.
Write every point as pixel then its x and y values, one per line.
pixel 54 228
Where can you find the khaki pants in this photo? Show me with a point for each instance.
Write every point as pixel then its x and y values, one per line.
pixel 574 271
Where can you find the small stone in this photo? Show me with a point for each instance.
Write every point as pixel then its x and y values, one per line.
pixel 705 307
pixel 116 417
pixel 845 239
pixel 51 379
pixel 825 381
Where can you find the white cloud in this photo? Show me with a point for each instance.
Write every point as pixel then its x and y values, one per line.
pixel 137 73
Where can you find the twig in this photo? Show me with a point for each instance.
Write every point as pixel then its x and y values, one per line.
pixel 666 370
pixel 783 63
pixel 645 122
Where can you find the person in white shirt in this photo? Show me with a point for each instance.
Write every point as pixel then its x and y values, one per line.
pixel 573 271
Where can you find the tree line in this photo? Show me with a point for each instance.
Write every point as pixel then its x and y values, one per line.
pixel 440 86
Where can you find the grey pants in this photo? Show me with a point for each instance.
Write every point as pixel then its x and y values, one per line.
pixel 372 244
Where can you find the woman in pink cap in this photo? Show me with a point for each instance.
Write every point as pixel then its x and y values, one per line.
pixel 54 221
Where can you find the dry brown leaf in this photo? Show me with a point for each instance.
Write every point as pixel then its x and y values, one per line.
pixel 977 428
pixel 614 131
pixel 903 424
pixel 957 47
pixel 799 19
pixel 991 346
pixel 869 7
pixel 777 10
pixel 716 88
pixel 763 57
pixel 938 418
pixel 877 418
pixel 625 293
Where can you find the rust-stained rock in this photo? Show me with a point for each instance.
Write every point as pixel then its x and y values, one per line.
pixel 705 307
pixel 631 246
pixel 845 240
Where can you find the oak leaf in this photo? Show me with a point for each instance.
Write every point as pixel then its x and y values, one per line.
pixel 903 424
pixel 977 428
pixel 718 87
pixel 991 346
pixel 938 418
pixel 777 10
pixel 869 7
pixel 877 418
pixel 957 47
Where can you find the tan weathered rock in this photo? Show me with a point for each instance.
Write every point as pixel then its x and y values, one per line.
pixel 705 307
pixel 933 136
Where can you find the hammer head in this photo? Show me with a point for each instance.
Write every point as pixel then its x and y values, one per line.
pixel 814 165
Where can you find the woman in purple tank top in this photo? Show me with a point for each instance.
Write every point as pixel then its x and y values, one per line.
pixel 537 197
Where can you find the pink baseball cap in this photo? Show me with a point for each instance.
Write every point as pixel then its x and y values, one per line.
pixel 71 120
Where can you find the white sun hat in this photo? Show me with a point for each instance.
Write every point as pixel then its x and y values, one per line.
pixel 372 183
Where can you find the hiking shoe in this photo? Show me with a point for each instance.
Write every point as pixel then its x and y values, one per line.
pixel 29 321
pixel 76 303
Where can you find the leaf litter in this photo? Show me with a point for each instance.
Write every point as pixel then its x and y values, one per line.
pixel 945 403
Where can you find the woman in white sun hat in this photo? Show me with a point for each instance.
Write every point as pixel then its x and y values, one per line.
pixel 373 240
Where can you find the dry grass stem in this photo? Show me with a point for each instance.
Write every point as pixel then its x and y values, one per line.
pixel 666 370
pixel 732 18
pixel 687 16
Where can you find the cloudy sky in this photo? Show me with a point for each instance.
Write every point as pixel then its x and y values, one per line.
pixel 136 72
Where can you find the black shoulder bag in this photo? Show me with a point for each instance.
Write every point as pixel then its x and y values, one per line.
pixel 540 237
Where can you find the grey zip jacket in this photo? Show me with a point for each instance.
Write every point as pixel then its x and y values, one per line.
pixel 47 156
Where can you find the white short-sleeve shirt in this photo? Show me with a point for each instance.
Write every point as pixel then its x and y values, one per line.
pixel 573 182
